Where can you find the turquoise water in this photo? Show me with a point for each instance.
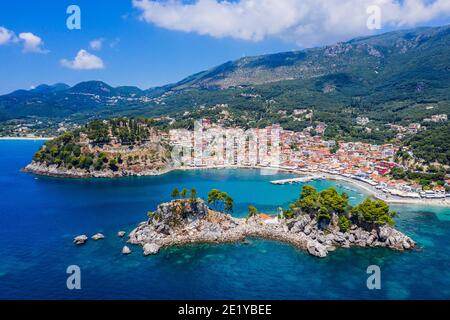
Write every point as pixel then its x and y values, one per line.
pixel 39 216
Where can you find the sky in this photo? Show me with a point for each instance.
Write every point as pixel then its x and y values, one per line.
pixel 148 43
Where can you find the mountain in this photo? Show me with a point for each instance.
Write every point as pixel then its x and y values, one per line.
pixel 92 87
pixel 356 57
pixel 45 88
pixel 60 100
pixel 397 77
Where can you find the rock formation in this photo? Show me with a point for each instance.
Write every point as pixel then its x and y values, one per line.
pixel 79 240
pixel 126 250
pixel 98 236
pixel 182 222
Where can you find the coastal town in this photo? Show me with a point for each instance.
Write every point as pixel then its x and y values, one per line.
pixel 307 152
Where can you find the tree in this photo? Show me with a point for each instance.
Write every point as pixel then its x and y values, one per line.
pixel 307 191
pixel 321 204
pixel 184 193
pixel 214 197
pixel 252 211
pixel 220 200
pixel 113 165
pixel 344 223
pixel 193 194
pixel 229 202
pixel 374 213
pixel 175 193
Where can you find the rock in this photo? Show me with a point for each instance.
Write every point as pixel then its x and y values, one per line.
pixel 79 240
pixel 121 234
pixel 126 250
pixel 151 248
pixel 384 233
pixel 370 239
pixel 307 230
pixel 98 236
pixel 361 242
pixel 181 222
pixel 351 238
pixel 316 249
pixel 406 245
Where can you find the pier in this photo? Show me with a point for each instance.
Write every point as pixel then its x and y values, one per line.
pixel 297 180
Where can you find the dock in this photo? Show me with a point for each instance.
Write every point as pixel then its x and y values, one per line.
pixel 297 180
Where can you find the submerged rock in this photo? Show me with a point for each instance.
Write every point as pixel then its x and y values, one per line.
pixel 79 240
pixel 121 234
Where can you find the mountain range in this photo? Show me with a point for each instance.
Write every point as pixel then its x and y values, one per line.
pixel 400 76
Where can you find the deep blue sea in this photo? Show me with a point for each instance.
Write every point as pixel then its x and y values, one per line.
pixel 39 216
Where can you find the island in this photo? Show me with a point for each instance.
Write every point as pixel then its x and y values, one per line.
pixel 318 222
pixel 105 149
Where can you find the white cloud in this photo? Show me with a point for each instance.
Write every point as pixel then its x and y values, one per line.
pixel 307 22
pixel 83 61
pixel 96 44
pixel 7 36
pixel 32 43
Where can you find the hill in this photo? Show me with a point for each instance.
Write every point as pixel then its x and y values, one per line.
pixel 398 77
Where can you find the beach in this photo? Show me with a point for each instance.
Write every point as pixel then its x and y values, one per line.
pixel 372 191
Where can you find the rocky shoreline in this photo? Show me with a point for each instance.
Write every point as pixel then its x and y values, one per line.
pixel 55 171
pixel 182 222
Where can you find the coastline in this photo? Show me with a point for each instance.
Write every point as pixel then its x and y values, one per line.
pixel 370 190
pixel 367 188
pixel 182 222
pixel 27 138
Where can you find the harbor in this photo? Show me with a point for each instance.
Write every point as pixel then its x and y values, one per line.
pixel 298 180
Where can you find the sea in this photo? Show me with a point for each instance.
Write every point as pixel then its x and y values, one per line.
pixel 40 216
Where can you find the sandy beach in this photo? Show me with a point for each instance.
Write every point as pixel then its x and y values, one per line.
pixel 388 197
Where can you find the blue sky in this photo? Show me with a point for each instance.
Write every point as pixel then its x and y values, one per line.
pixel 148 43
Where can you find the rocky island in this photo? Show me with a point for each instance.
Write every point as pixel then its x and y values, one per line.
pixel 105 149
pixel 319 222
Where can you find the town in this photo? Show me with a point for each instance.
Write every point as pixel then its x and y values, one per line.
pixel 307 152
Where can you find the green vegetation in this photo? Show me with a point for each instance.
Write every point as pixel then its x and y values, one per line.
pixel 432 145
pixel 220 200
pixel 373 76
pixel 193 194
pixel 344 223
pixel 184 194
pixel 129 131
pixel 373 213
pixel 252 211
pixel 435 176
pixel 175 193
pixel 324 204
pixel 75 149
